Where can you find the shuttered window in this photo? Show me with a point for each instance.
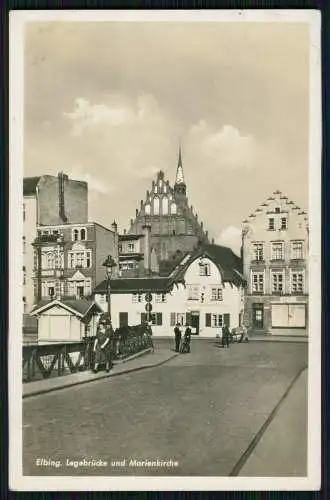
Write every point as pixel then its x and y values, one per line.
pixel 155 318
pixel 172 319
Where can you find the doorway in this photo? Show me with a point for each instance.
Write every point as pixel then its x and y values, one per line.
pixel 258 316
pixel 195 322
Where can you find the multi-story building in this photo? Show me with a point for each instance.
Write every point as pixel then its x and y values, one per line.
pixel 275 261
pixel 175 228
pixel 68 259
pixel 136 257
pixel 48 200
pixel 206 290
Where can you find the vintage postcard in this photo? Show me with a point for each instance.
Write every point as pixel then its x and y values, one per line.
pixel 165 229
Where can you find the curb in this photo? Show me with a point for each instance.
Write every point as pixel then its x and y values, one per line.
pixel 107 375
pixel 255 441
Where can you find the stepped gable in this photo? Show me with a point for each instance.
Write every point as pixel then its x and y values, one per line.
pixel 276 200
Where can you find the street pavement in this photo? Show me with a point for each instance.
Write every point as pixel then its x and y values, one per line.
pixel 201 411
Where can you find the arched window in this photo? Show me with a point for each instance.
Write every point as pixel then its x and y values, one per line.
pixel 147 209
pixel 156 189
pixel 156 205
pixel 165 206
pixel 164 189
pixel 83 234
pixel 75 235
pixel 173 208
pixel 50 260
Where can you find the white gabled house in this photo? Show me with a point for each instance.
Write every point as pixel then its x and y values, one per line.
pixel 206 290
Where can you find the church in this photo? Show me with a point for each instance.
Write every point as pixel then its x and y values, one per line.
pixel 174 227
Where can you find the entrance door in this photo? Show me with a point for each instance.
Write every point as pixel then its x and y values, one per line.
pixel 195 323
pixel 123 319
pixel 258 316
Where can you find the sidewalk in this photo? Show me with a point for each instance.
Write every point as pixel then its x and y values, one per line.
pixel 277 338
pixel 138 361
pixel 282 450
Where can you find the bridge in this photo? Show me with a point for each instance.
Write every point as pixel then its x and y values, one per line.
pixel 214 412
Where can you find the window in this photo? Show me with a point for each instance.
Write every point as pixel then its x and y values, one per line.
pixel 161 297
pixel 165 206
pixel 79 234
pixel 277 210
pixel 147 209
pixel 297 282
pixel 137 297
pixel 80 259
pixel 217 320
pixel 80 288
pixel 173 209
pixel 257 282
pixel 271 224
pixel 180 318
pixel 284 223
pixel 277 250
pixel 155 318
pixel 216 294
pixel 193 292
pixel 24 275
pixel 24 244
pixel 156 205
pixel 277 278
pixel 131 247
pixel 50 261
pixel 258 251
pixel 297 250
pixel 123 319
pixel 24 211
pixel 120 248
pixel 204 269
pixel 51 290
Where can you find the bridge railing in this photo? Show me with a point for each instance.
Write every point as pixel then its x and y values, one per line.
pixel 42 361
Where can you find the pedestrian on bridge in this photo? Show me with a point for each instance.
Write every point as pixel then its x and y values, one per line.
pixel 102 348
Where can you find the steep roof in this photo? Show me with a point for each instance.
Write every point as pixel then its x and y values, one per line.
pixel 228 263
pixel 30 185
pixel 80 306
pixel 127 285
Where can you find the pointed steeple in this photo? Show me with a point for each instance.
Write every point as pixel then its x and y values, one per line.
pixel 179 171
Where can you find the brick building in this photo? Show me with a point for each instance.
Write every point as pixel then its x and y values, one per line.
pixel 68 259
pixel 275 259
pixel 175 228
pixel 48 200
pixel 136 257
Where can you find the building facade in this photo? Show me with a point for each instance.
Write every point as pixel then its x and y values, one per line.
pixel 206 290
pixel 48 200
pixel 175 228
pixel 68 259
pixel 136 257
pixel 275 261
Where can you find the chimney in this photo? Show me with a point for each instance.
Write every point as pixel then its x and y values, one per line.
pixel 114 226
pixel 147 247
pixel 61 178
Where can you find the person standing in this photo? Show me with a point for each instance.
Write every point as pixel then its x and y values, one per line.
pixel 225 336
pixel 187 336
pixel 102 348
pixel 177 334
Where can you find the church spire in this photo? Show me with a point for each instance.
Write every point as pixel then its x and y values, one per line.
pixel 179 171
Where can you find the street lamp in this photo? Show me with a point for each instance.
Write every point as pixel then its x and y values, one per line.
pixel 109 265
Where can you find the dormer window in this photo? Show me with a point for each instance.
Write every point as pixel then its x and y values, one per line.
pixel 204 268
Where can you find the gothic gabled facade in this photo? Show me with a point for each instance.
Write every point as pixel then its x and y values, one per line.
pixel 175 228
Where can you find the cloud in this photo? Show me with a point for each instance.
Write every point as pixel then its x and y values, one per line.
pixel 86 115
pixel 97 185
pixel 226 147
pixel 231 237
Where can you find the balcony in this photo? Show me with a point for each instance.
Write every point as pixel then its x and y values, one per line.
pixel 49 238
pixel 257 262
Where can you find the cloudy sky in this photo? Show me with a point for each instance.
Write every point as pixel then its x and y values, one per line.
pixel 109 102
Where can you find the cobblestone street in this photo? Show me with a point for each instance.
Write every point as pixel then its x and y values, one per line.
pixel 201 410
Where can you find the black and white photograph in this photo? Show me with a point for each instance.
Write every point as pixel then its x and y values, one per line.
pixel 165 297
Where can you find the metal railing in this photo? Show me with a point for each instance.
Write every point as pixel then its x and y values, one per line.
pixel 58 359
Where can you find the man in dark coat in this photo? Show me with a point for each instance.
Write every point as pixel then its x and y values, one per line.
pixel 102 347
pixel 177 334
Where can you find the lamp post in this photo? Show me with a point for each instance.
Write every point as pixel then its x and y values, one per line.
pixel 109 265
